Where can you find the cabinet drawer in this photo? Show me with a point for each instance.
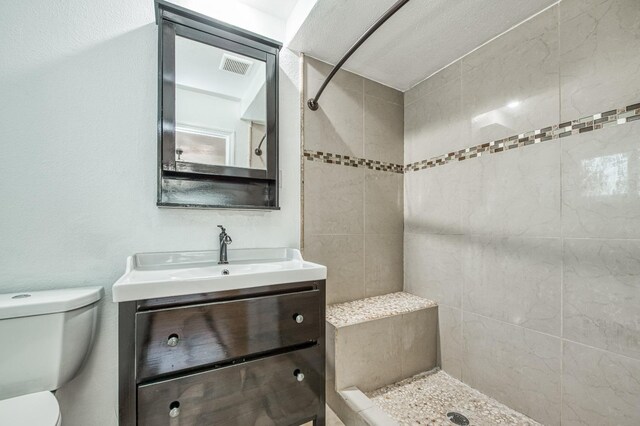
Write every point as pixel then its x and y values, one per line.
pixel 264 391
pixel 171 340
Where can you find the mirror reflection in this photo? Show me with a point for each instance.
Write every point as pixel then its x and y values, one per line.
pixel 221 107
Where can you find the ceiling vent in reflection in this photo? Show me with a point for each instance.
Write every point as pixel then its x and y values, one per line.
pixel 235 64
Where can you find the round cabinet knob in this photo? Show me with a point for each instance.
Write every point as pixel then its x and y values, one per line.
pixel 173 340
pixel 299 375
pixel 174 409
pixel 299 318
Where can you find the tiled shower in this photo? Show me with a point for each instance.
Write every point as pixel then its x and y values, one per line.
pixel 506 188
pixel 353 184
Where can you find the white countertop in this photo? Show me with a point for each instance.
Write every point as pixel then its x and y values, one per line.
pixel 153 275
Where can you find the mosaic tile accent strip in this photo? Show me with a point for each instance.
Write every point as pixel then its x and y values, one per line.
pixel 346 160
pixel 425 399
pixel 372 308
pixel 557 131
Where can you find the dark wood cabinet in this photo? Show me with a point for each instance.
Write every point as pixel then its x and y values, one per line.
pixel 171 340
pixel 267 391
pixel 246 357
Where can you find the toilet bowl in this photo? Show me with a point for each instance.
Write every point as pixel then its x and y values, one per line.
pixel 35 409
pixel 47 337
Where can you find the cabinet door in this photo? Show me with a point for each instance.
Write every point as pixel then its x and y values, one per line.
pixel 177 339
pixel 281 389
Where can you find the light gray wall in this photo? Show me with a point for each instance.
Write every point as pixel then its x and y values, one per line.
pixel 78 122
pixel 534 254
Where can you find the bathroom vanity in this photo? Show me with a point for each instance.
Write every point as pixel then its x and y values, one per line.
pixel 234 344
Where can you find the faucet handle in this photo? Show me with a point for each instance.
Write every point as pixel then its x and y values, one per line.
pixel 222 228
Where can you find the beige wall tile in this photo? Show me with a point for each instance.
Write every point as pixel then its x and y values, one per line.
pixel 519 193
pixel 384 202
pixel 518 367
pixel 369 354
pixel 389 94
pixel 435 124
pixel 484 237
pixel 598 69
pixel 439 79
pixel 504 96
pixel 600 175
pixel 516 280
pixel 316 72
pixel 450 345
pixel 383 130
pixel 419 341
pixel 599 388
pixel 343 255
pixel 434 198
pixel 434 267
pixel 339 200
pixel 569 9
pixel 333 199
pixel 338 125
pixel 602 294
pixel 383 264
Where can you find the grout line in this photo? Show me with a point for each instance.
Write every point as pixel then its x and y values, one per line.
pixel 463 350
pixel 630 358
pixel 561 339
pixel 515 325
pixel 364 195
pixel 463 345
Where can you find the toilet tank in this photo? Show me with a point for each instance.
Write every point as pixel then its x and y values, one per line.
pixel 46 337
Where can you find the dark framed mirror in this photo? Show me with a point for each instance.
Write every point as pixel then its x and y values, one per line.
pixel 217 113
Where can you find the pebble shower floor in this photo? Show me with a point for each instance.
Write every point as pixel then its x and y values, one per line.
pixel 425 399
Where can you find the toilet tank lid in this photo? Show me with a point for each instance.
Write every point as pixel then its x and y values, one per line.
pixel 31 303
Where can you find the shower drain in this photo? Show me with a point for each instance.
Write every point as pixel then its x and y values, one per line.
pixel 457 418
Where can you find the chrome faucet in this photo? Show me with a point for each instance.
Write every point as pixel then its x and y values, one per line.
pixel 225 240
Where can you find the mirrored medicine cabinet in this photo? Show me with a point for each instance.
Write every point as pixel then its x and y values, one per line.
pixel 217 113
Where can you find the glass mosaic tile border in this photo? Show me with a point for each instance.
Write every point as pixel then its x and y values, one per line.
pixel 557 131
pixel 346 160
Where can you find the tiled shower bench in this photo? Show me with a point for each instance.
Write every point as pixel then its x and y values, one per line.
pixel 375 342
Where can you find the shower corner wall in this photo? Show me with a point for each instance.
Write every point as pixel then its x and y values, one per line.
pixel 353 183
pixel 530 240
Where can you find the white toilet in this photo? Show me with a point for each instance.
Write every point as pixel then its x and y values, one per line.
pixel 46 337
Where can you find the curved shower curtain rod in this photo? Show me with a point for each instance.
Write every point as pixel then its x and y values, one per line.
pixel 313 102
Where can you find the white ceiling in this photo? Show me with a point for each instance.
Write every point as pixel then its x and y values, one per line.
pixel 421 38
pixel 279 8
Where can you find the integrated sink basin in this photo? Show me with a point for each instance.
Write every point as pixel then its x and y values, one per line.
pixel 154 275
